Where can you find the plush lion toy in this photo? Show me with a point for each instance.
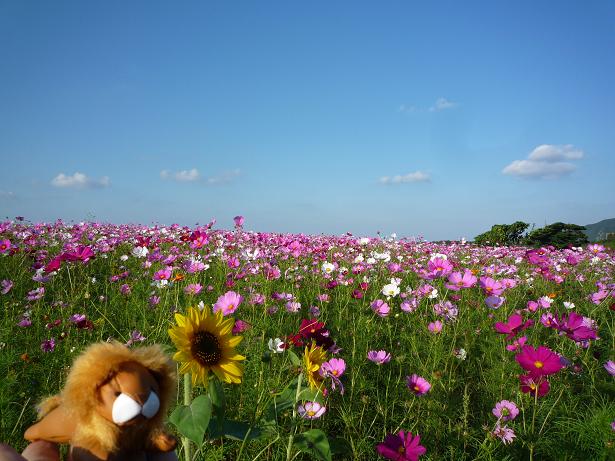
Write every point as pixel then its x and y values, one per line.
pixel 112 406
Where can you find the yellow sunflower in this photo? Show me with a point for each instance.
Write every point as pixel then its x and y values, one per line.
pixel 204 342
pixel 313 358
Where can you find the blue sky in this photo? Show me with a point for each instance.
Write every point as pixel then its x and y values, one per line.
pixel 438 119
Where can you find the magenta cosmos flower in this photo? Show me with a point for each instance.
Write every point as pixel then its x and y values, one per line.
pixel 228 303
pixel 534 385
pixel 513 326
pixel 539 362
pixel 311 410
pixel 379 357
pixel 5 245
pixel 418 385
pixel 401 447
pixel 490 286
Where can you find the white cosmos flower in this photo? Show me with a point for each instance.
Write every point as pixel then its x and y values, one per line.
pixel 433 294
pixel 437 255
pixel 327 267
pixel 363 241
pixel 276 345
pixel 390 290
pixel 123 257
pixel 140 252
pixel 568 305
pixel 371 261
pixel 359 259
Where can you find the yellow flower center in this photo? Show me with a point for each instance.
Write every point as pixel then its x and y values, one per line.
pixel 538 364
pixel 417 388
pixel 311 412
pixel 205 347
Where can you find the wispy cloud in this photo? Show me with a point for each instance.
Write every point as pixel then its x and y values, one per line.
pixel 79 181
pixel 442 104
pixel 194 176
pixel 546 161
pixel 407 108
pixel 417 176
pixel 5 194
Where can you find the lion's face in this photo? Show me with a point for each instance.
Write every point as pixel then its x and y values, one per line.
pixel 130 395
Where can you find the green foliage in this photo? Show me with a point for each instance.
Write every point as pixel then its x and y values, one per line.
pixel 558 234
pixel 503 234
pixel 192 421
pixel 315 443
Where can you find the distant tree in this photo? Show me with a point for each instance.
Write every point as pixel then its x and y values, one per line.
pixel 558 234
pixel 503 234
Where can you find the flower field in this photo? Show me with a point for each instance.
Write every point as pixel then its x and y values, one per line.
pixel 324 347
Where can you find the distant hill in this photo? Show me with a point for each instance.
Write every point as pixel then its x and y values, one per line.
pixel 599 230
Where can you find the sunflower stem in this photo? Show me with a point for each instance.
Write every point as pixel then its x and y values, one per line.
pixel 291 437
pixel 187 402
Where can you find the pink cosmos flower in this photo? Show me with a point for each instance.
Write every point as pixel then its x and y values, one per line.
pixel 311 410
pixel 539 362
pixel 517 344
pixel 333 369
pixel 154 300
pixel 494 302
pixel 439 267
pixel 193 289
pixel 228 303
pixel 6 286
pixel 125 289
pixel 36 294
pixel 610 367
pixel 504 433
pixel 490 286
pixel 238 221
pixel 135 337
pixel 381 308
pixel 164 274
pixel 401 447
pixel 456 281
pixel 417 384
pixel 5 246
pixel 81 253
pixel 379 357
pixel 505 410
pixel 513 326
pixel 534 385
pixel 409 305
pixel 48 345
pixel 435 327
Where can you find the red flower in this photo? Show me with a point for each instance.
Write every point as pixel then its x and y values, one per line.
pixel 534 385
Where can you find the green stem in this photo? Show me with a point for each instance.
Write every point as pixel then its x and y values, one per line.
pixel 291 437
pixel 187 402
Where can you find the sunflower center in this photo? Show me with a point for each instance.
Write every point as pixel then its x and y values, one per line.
pixel 206 348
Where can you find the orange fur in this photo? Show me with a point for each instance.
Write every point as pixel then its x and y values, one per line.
pixel 80 399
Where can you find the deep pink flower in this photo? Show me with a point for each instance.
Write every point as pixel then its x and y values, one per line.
pixel 379 357
pixel 54 264
pixel 48 345
pixel 574 327
pixel 228 303
pixel 5 246
pixel 240 326
pixel 417 384
pixel 401 447
pixel 81 253
pixel 439 267
pixel 517 344
pixel 534 385
pixel 539 362
pixel 238 221
pixel 513 326
pixel 164 274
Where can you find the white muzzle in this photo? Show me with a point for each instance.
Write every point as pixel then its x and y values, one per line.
pixel 125 408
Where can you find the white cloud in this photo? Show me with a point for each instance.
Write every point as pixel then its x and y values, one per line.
pixel 546 161
pixel 7 194
pixel 417 176
pixel 405 108
pixel 442 104
pixel 193 175
pixel 79 181
pixel 551 153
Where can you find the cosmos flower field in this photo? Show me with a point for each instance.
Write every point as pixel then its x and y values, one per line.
pixel 351 347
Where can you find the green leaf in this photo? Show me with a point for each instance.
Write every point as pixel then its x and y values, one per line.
pixel 294 359
pixel 314 442
pixel 340 447
pixel 192 421
pixel 239 430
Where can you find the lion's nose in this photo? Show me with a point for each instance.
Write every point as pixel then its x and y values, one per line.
pixel 126 408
